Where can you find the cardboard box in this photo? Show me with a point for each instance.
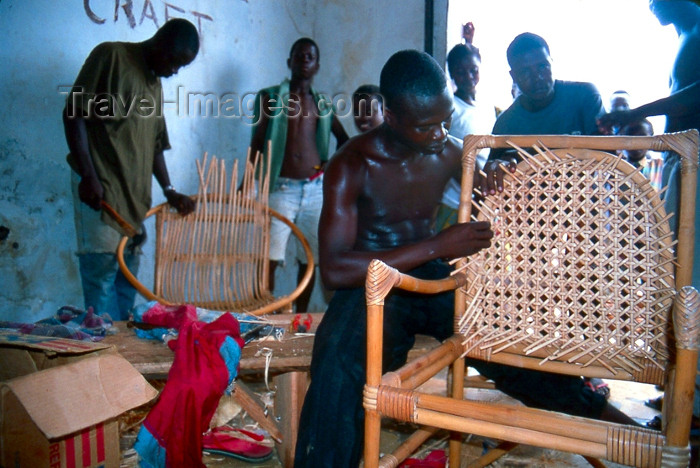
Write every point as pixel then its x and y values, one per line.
pixel 61 407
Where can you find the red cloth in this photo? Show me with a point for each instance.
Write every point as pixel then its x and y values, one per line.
pixel 197 379
pixel 166 316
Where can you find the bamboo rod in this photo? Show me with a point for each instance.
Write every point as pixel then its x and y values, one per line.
pixel 448 349
pixel 411 444
pixel 515 434
pixel 516 416
pixel 492 455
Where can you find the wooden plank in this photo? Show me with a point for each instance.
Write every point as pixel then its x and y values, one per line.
pixel 153 358
pixel 250 402
pixel 289 397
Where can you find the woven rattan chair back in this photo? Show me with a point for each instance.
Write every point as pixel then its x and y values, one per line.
pixel 218 256
pixel 580 271
pixel 583 277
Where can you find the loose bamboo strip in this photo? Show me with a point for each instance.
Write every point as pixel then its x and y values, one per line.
pixel 408 446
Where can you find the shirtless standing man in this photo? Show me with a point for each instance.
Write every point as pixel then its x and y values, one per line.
pixel 381 193
pixel 682 111
pixel 296 122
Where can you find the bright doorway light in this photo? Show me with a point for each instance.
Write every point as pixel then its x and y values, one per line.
pixel 615 44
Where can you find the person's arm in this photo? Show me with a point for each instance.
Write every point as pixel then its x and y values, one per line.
pixel 683 102
pixel 181 202
pixel 342 266
pixel 261 121
pixel 90 189
pixel 338 131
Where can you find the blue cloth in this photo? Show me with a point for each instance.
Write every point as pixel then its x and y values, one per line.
pixel 69 322
pixel 573 111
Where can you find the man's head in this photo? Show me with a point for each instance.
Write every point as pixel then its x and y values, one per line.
pixel 619 100
pixel 368 107
pixel 674 11
pixel 417 103
pixel 304 57
pixel 463 63
pixel 639 128
pixel 531 69
pixel 172 47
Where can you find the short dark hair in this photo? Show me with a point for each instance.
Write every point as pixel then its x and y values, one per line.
pixel 180 34
pixel 459 53
pixel 523 43
pixel 368 91
pixel 411 72
pixel 305 40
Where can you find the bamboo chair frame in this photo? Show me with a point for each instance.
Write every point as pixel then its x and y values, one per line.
pixel 218 257
pixel 666 352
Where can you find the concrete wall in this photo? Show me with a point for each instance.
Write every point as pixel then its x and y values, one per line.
pixel 245 44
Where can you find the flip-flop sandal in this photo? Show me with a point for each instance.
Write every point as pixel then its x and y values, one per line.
pixel 599 386
pixel 654 423
pixel 237 443
pixel 655 403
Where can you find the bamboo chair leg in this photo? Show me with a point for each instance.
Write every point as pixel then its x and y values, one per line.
pixel 373 420
pixel 455 445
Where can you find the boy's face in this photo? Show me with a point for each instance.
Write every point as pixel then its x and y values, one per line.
pixel 304 61
pixel 422 123
pixel 368 113
pixel 532 72
pixel 636 129
pixel 619 102
pixel 466 73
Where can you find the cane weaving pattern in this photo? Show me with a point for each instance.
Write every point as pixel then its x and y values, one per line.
pixel 580 269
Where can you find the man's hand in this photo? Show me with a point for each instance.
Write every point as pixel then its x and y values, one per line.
pixel 91 192
pixel 618 118
pixel 468 32
pixel 182 203
pixel 464 239
pixel 493 180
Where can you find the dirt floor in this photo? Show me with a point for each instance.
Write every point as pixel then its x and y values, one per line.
pixel 628 397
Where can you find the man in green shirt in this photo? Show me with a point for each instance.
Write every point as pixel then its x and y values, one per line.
pixel 116 133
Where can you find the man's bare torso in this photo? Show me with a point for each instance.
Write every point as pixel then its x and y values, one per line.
pixel 397 196
pixel 301 158
pixel 686 71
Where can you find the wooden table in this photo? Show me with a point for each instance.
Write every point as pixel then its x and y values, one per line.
pixel 153 358
pixel 288 367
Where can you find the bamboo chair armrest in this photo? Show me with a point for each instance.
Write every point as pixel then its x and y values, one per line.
pixel 381 278
pixel 130 277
